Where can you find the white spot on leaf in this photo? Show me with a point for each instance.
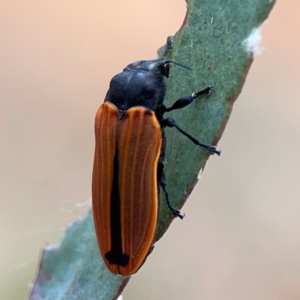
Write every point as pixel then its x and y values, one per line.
pixel 252 43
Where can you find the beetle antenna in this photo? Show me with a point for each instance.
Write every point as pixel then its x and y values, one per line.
pixel 178 64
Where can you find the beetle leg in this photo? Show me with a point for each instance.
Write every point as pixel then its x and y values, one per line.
pixel 184 101
pixel 168 47
pixel 171 123
pixel 162 182
pixel 151 249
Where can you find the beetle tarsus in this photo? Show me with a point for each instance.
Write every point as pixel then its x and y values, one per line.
pixel 204 92
pixel 151 249
pixel 176 213
pixel 168 47
pixel 171 123
pixel 185 101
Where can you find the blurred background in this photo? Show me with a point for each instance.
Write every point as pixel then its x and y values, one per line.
pixel 240 238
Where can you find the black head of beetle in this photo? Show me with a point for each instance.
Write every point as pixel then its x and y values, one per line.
pixel 141 83
pixel 160 67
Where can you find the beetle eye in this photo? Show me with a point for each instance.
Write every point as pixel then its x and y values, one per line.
pixel 164 68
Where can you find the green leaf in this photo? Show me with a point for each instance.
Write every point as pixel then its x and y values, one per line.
pixel 215 41
pixel 212 41
pixel 74 269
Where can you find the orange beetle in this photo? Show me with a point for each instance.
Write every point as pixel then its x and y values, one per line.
pixel 128 163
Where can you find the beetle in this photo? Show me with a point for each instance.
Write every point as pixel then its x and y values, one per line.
pixel 128 169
